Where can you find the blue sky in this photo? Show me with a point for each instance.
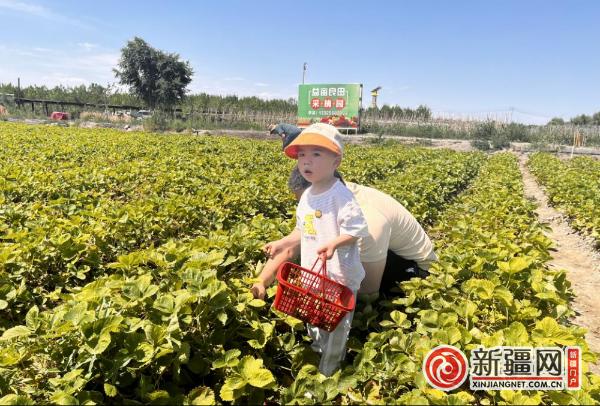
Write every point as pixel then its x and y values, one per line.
pixel 461 58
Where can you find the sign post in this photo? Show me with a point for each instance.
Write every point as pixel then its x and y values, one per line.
pixel 335 104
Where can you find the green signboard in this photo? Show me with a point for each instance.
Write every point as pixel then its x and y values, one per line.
pixel 335 104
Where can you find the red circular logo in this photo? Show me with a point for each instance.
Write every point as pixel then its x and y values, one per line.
pixel 445 367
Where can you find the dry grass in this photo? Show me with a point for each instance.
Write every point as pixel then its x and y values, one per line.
pixel 113 118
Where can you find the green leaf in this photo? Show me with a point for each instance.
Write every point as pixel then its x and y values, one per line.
pixel 76 314
pixel 164 303
pixel 9 356
pixel 230 389
pixel 517 398
pixel 560 398
pixel 516 334
pixel 201 396
pixel 549 332
pixel 97 333
pixel 254 373
pixel 447 319
pixel 373 395
pixel 90 398
pixel 466 309
pixel 414 397
pixel 229 359
pixel 429 318
pixel 15 332
pixel 481 287
pixel 3 304
pixel 494 340
pixel 503 295
pixel 454 335
pixel 63 398
pixel 257 303
pixel 398 317
pixel 16 400
pixel 31 319
pixel 110 390
pixel 518 264
pixel 222 317
pixel 293 322
pixel 159 397
pixel 460 398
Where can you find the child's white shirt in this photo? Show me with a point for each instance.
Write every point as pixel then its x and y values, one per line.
pixel 323 217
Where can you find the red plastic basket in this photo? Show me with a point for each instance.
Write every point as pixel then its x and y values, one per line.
pixel 311 296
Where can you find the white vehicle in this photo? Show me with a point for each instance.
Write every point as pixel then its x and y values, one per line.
pixel 141 114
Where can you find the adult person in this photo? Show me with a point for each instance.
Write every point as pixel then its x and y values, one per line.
pixel 396 249
pixel 287 132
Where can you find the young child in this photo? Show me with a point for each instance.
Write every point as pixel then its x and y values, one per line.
pixel 328 224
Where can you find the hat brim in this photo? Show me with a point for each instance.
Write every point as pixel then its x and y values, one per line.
pixel 311 139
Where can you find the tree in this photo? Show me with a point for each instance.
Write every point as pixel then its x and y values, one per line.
pixel 581 120
pixel 423 112
pixel 556 121
pixel 596 118
pixel 156 77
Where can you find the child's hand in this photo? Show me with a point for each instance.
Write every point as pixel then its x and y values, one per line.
pixel 273 248
pixel 258 290
pixel 326 251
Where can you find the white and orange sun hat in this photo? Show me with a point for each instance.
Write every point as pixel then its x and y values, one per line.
pixel 319 134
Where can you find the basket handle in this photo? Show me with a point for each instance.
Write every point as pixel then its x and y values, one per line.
pixel 323 267
pixel 323 270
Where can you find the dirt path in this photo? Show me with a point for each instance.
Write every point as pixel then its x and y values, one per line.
pixel 575 254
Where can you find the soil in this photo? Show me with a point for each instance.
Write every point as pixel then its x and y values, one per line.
pixel 576 254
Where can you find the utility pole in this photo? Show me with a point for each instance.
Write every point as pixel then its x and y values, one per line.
pixel 19 93
pixel 304 71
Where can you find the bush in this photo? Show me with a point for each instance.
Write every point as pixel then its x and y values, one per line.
pixel 178 125
pixel 485 131
pixel 481 145
pixel 500 140
pixel 516 132
pixel 158 121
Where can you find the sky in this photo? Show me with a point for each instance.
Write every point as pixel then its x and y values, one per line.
pixel 523 60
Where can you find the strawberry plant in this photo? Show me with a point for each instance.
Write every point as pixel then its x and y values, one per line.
pixel 573 187
pixel 126 261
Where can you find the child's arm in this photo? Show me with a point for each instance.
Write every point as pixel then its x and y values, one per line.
pixel 279 252
pixel 275 247
pixel 327 250
pixel 267 275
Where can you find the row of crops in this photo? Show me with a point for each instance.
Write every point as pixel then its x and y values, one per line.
pixel 572 186
pixel 125 262
pixel 71 204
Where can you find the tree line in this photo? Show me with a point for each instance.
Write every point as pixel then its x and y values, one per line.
pixel 158 80
pixel 582 119
pixel 99 94
pixel 93 93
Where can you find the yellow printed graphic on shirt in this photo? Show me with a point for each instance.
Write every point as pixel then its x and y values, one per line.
pixel 309 227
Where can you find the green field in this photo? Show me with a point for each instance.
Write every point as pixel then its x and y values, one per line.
pixel 126 261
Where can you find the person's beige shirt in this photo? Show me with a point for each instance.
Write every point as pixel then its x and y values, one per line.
pixel 391 227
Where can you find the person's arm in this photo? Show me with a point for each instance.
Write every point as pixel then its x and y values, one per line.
pixel 273 248
pixel 286 249
pixel 327 250
pixel 269 272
